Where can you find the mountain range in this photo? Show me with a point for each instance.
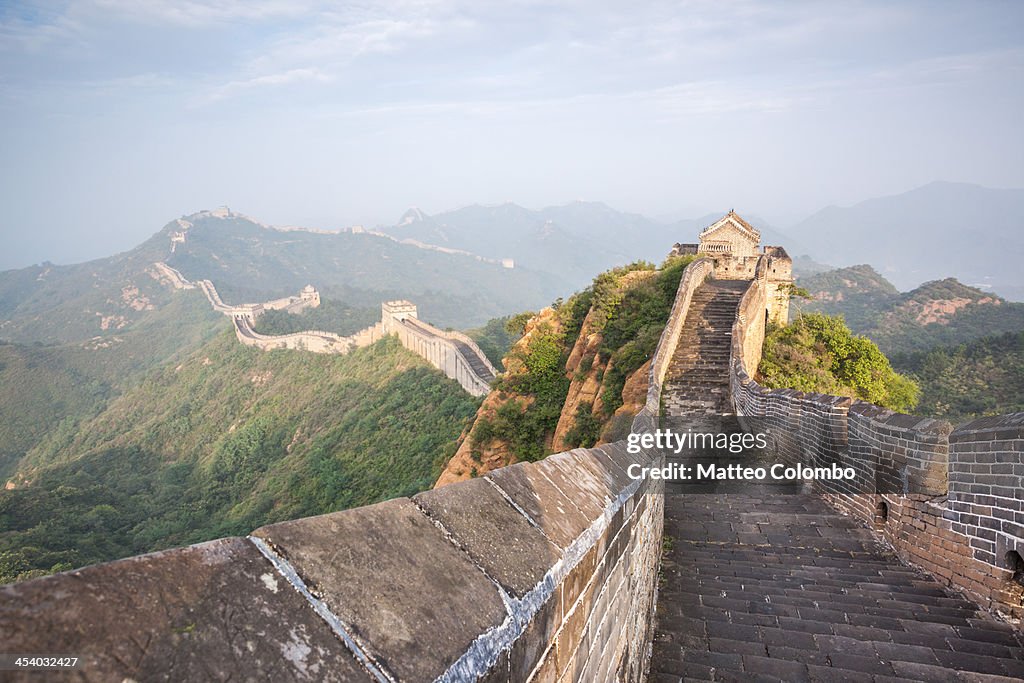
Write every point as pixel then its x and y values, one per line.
pixel 572 241
pixel 973 233
pixel 937 313
pixel 943 229
pixel 250 262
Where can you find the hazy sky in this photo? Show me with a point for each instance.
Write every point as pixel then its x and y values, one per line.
pixel 117 116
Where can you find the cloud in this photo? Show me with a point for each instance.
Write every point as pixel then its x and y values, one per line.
pixel 197 14
pixel 289 77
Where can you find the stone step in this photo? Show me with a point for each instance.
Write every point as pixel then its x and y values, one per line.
pixel 697 380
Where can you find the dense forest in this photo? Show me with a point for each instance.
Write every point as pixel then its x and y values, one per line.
pixel 227 440
pixel 982 377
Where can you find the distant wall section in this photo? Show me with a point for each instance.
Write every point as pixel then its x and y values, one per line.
pixel 453 353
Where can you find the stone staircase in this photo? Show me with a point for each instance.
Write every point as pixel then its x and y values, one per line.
pixel 783 588
pixel 698 375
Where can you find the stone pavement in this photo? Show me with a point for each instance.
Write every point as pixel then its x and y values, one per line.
pixel 776 586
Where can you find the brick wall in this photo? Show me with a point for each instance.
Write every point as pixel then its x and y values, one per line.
pixel 950 501
pixel 986 501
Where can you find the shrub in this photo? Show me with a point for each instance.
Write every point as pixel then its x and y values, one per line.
pixel 819 353
pixel 586 429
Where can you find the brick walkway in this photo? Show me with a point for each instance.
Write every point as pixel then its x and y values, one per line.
pixel 780 587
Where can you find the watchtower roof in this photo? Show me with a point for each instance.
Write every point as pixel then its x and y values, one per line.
pixel 734 219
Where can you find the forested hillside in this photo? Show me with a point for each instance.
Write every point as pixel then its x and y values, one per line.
pixel 226 440
pixel 330 316
pixel 47 389
pixel 982 377
pixel 576 374
pixel 942 312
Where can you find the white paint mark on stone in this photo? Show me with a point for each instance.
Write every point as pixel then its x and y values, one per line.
pixel 296 651
pixel 270 581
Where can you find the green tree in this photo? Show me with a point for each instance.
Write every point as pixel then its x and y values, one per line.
pixel 819 353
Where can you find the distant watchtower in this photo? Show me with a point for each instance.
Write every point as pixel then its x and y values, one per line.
pixel 733 244
pixel 392 312
pixel 310 296
pixel 730 235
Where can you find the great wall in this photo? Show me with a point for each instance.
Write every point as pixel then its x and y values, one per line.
pixel 568 569
pixel 453 353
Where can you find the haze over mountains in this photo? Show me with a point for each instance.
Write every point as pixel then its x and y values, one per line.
pixel 936 231
pixel 250 262
pixel 973 233
pixel 940 230
pixel 573 240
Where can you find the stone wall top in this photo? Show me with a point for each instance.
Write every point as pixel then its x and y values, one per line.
pixel 1010 425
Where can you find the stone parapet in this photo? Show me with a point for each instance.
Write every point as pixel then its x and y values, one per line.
pixel 213 611
pixel 445 351
pixel 455 335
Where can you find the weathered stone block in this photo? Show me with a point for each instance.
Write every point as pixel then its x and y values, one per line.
pixel 607 469
pixel 499 673
pixel 577 579
pixel 546 505
pixel 213 611
pixel 496 535
pixel 575 478
pixel 538 635
pixel 402 588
